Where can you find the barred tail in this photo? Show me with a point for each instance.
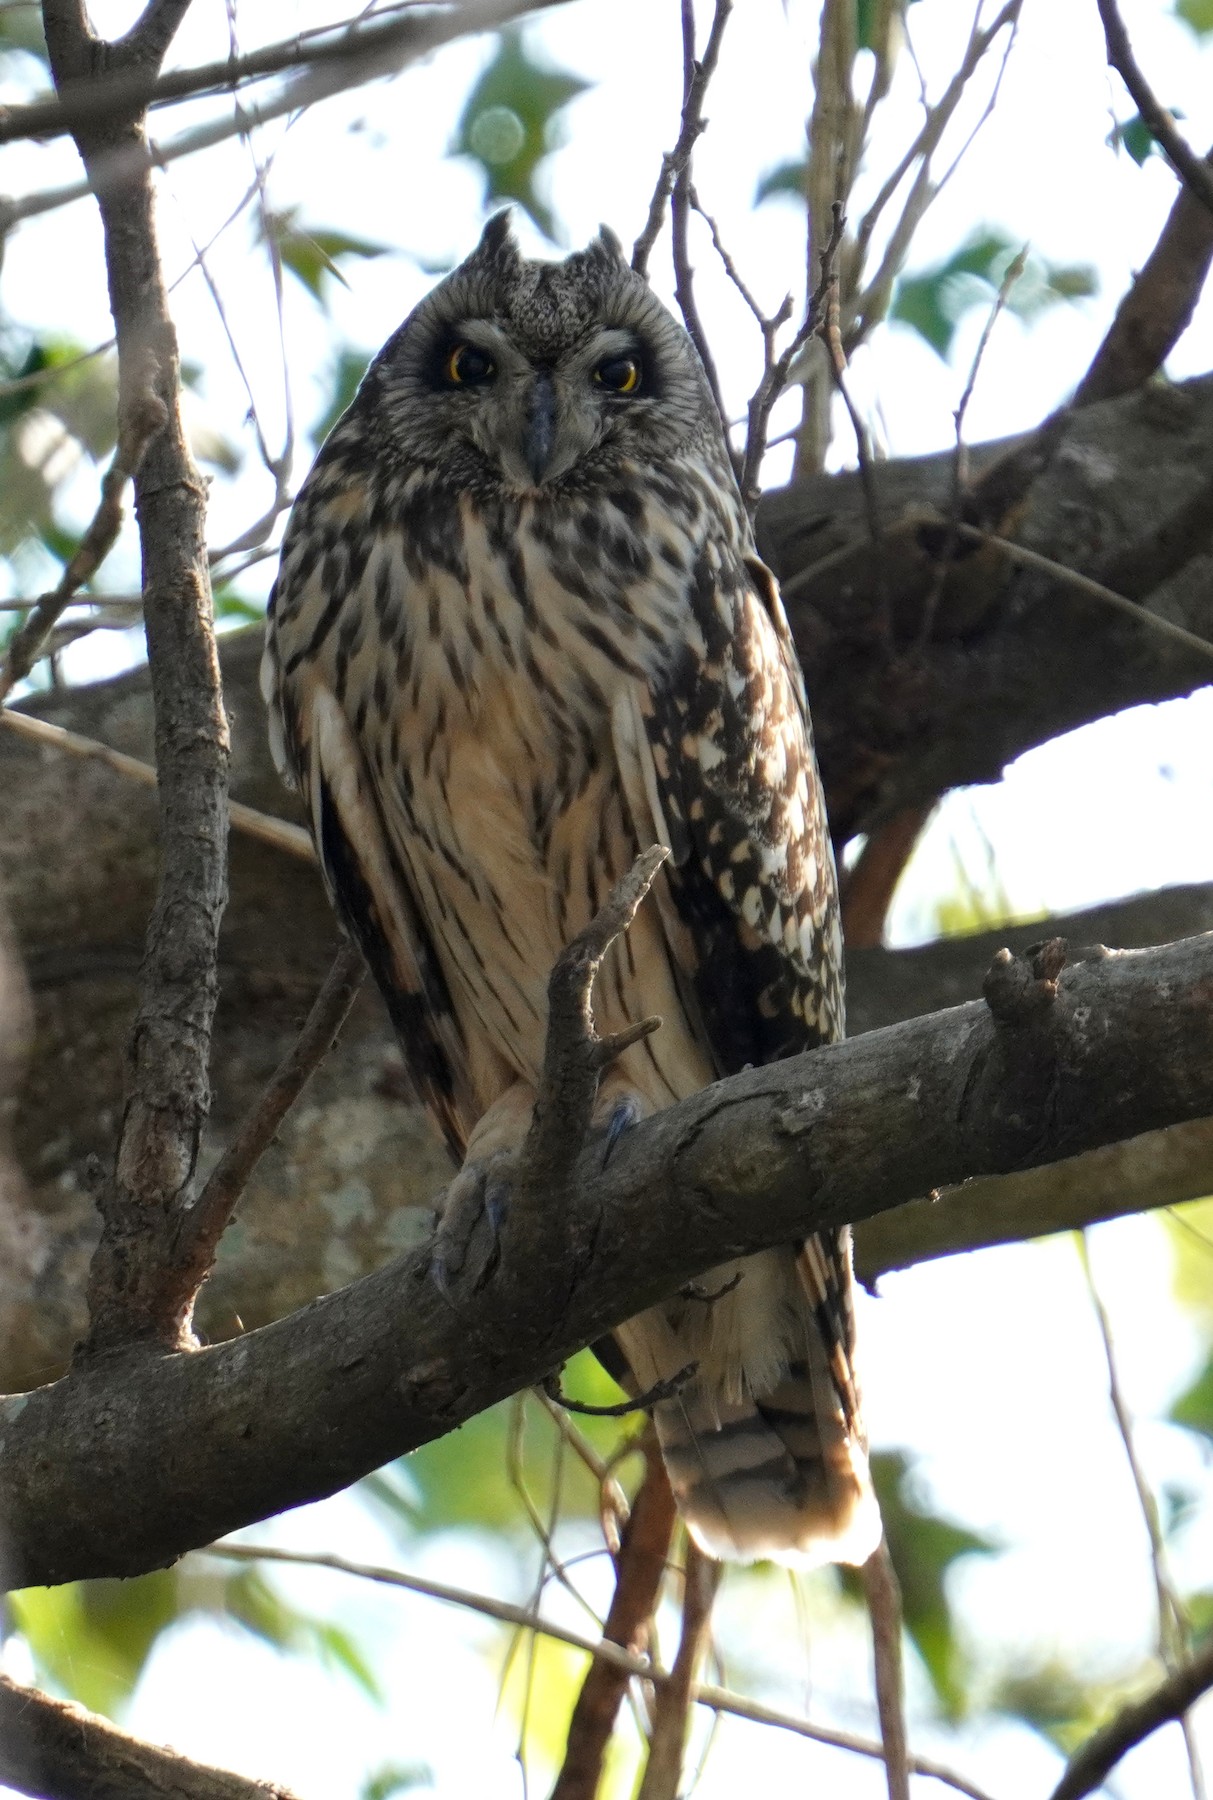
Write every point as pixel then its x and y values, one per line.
pixel 765 1448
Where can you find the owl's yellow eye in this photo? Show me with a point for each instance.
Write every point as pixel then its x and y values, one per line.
pixel 466 366
pixel 619 373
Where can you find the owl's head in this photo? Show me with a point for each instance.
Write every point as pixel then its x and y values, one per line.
pixel 534 375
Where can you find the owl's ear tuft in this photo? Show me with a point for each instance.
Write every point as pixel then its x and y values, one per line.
pixel 497 239
pixel 607 245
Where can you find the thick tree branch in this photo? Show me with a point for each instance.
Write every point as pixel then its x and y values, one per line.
pixel 1117 1044
pixel 168 1096
pixel 57 1751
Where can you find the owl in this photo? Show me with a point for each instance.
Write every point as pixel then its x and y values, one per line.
pixel 520 632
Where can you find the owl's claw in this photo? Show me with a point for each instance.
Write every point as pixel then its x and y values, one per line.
pixel 624 1114
pixel 480 1191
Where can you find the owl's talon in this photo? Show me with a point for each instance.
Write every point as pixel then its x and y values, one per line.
pixel 624 1114
pixel 480 1193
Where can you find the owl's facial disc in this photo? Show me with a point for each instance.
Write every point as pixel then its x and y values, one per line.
pixel 535 416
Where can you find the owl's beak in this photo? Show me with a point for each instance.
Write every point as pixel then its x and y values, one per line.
pixel 539 432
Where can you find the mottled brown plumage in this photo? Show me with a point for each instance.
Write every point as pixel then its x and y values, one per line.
pixel 519 633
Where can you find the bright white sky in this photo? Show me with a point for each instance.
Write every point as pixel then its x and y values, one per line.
pixel 987 1368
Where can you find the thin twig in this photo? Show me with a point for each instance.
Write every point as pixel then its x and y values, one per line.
pixel 1174 1629
pixel 863 446
pixel 639 1568
pixel 677 161
pixel 1157 120
pixel 293 840
pixel 776 369
pixel 717 1698
pixel 884 1607
pixel 675 1696
pixel 139 421
pixel 694 88
pixel 1083 584
pixel 661 1390
pixel 1090 1767
pixel 200 1228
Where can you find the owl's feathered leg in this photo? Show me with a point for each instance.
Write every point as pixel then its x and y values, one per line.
pixel 482 1188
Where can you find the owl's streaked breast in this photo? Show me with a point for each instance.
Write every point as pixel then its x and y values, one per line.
pixel 480 651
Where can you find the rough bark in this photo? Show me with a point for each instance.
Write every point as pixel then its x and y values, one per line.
pixel 165 1452
pixel 57 1751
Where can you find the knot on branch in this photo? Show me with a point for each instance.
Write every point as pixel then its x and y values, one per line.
pixel 1019 990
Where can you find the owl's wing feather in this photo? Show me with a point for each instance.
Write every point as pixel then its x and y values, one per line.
pixel 719 765
pixel 372 897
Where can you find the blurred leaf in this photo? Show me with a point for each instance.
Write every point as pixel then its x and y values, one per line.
pixel 92 1638
pixel 233 608
pixel 788 178
pixel 311 252
pixel 1194 1408
pixel 21 33
pixel 348 371
pixel 1056 1701
pixel 1190 1229
pixel 935 301
pixel 1196 13
pixel 1199 1608
pixel 1135 137
pixel 510 123
pixel 463 1479
pixel 396 1779
pixel 923 1547
pixel 261 1609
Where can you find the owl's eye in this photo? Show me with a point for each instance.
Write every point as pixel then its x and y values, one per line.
pixel 466 366
pixel 619 373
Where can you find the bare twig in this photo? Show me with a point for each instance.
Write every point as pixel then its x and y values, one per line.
pixel 1094 590
pixel 675 1696
pixel 884 1607
pixel 863 446
pixel 695 78
pixel 292 840
pixel 1174 1630
pixel 676 163
pixel 141 418
pixel 1090 1767
pixel 1157 120
pixel 776 368
pixel 639 1568
pixel 201 1226
pixel 59 1751
pixel 661 1390
pixel 426 31
pixel 718 1699
pixel 574 1054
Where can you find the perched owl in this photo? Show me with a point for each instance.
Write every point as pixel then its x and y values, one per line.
pixel 520 632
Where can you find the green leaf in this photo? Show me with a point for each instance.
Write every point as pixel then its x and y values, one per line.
pixel 934 301
pixel 924 1548
pixel 511 122
pixel 788 178
pixel 91 1639
pixel 233 608
pixel 1063 1707
pixel 1194 1407
pixel 257 1606
pixel 1196 13
pixel 311 252
pixel 1135 137
pixel 21 33
pixel 396 1779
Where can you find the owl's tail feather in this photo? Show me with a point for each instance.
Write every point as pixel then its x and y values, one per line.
pixel 776 1477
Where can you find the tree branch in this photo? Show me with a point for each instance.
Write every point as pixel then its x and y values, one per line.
pixel 1090 1767
pixel 57 1751
pixel 168 1096
pixel 1155 117
pixel 1055 1064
